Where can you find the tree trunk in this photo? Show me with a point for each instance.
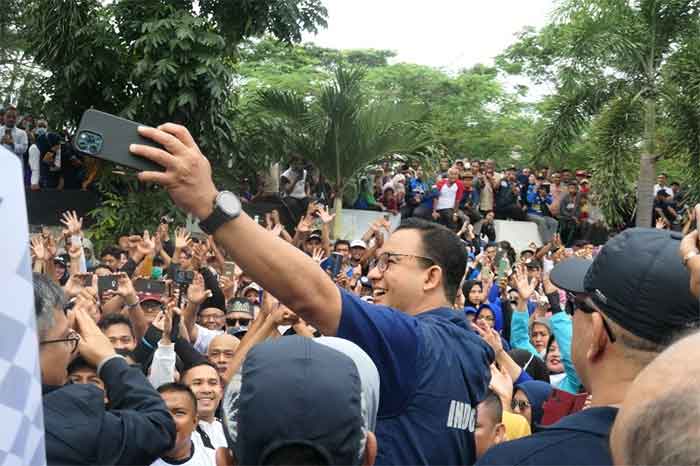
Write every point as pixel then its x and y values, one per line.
pixel 338 211
pixel 647 167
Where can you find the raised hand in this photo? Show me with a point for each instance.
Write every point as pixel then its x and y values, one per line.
pixel 525 289
pixel 501 383
pixel 73 224
pixel 305 224
pixel 197 292
pixel 660 223
pixel 39 252
pixel 125 287
pixel 182 238
pixel 318 255
pixel 73 286
pixel 325 216
pixel 147 246
pixel 228 286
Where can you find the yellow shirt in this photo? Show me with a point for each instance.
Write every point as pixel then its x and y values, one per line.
pixel 516 426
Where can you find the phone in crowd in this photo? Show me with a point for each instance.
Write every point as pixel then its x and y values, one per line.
pixel 336 262
pixel 174 333
pixel 503 266
pixel 143 285
pixel 560 404
pixel 229 269
pixel 107 283
pixel 108 137
pixel 85 279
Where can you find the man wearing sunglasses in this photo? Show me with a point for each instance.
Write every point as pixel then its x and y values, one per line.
pixel 79 429
pixel 433 368
pixel 627 306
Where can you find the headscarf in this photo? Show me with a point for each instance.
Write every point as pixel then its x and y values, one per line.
pixel 537 393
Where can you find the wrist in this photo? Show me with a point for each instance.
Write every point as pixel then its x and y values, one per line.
pixel 131 300
pixel 205 208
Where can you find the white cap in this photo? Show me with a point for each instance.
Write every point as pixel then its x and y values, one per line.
pixel 358 243
pixel 252 286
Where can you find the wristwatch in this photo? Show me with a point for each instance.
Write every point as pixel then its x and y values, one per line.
pixel 227 207
pixel 689 256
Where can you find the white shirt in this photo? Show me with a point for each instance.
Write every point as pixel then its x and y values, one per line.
pixel 19 136
pixel 201 455
pixel 447 196
pixel 204 337
pixel 215 432
pixel 299 190
pixel 658 187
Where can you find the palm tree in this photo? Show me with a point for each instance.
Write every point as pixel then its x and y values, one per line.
pixel 614 61
pixel 340 130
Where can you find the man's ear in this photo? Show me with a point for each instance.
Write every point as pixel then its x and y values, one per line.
pixel 433 278
pixel 599 338
pixel 370 450
pixel 500 436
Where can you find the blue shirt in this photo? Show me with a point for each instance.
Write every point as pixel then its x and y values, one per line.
pixel 579 439
pixel 433 371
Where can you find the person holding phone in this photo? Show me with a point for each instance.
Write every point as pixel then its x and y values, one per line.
pixel 432 349
pixel 690 254
pixel 13 139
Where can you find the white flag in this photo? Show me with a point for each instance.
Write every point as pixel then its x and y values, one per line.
pixel 22 424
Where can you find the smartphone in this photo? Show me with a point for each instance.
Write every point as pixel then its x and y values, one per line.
pixel 85 279
pixel 336 262
pixel 229 269
pixel 108 137
pixel 560 404
pixel 106 283
pixel 143 285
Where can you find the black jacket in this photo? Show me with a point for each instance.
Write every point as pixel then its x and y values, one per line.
pixel 137 429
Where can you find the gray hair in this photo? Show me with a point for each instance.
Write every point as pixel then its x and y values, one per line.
pixel 676 443
pixel 47 297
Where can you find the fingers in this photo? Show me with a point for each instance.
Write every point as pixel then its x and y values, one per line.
pixel 84 323
pixel 181 133
pixel 170 142
pixel 162 179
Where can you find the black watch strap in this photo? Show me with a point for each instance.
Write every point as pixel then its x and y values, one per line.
pixel 212 223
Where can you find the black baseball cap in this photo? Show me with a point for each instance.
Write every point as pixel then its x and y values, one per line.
pixel 639 281
pixel 295 391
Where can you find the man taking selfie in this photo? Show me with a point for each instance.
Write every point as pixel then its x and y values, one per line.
pixel 433 368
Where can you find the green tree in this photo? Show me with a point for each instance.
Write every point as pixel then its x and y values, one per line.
pixel 153 61
pixel 611 61
pixel 340 130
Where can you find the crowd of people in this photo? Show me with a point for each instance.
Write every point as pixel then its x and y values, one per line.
pixel 48 158
pixel 426 344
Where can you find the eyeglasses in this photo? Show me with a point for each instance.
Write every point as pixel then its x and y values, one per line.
pixel 520 405
pixel 237 322
pixel 384 260
pixel 586 304
pixel 486 318
pixel 73 338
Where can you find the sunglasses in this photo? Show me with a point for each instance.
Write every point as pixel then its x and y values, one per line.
pixel 237 322
pixel 585 304
pixel 520 405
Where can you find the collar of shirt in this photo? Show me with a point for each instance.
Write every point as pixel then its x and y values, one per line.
pixel 597 421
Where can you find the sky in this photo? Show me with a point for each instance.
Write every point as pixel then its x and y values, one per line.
pixel 446 34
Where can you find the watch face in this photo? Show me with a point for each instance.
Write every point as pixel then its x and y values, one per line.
pixel 229 203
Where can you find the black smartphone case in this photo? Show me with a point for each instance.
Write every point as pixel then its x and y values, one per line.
pixel 117 135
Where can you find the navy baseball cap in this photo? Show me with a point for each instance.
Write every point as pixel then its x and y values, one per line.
pixel 296 392
pixel 639 281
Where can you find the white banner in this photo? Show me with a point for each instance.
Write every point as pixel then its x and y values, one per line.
pixel 22 426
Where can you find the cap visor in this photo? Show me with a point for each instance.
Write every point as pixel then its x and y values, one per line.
pixel 569 274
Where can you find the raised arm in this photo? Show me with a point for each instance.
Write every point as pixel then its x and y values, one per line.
pixel 272 262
